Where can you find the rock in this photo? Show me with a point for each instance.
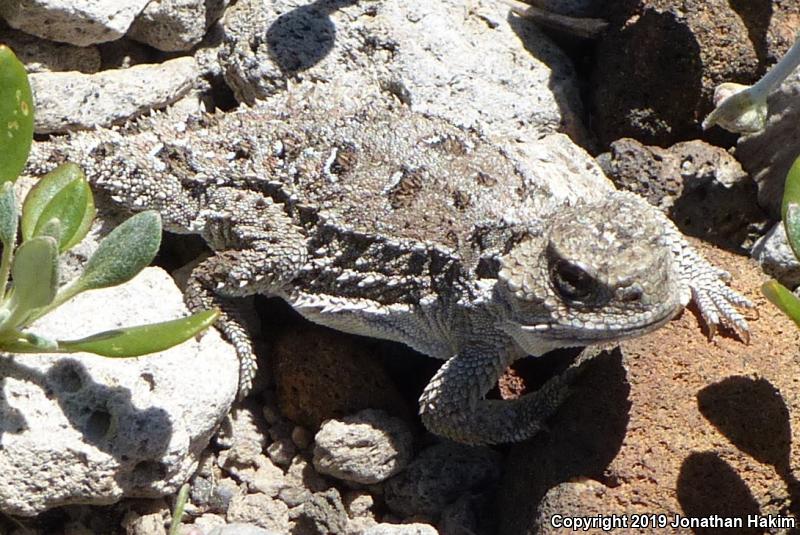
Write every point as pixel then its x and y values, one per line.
pixel 261 511
pixel 209 521
pixel 78 22
pixel 701 187
pixel 302 481
pixel 268 479
pixel 358 503
pixel 368 447
pixel 242 529
pixel 671 425
pixel 469 514
pixel 505 78
pixel 768 155
pixel 775 256
pixel 439 476
pixel 243 434
pixel 323 514
pixel 174 25
pixel 657 65
pixel 40 55
pixel 85 429
pixel 322 374
pixel 401 529
pixel 301 437
pixel 282 451
pixel 147 524
pixel 68 101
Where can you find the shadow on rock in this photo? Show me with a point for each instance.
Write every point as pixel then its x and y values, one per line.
pixel 302 37
pixel 708 486
pixel 104 416
pixel 587 433
pixel 751 414
pixel 647 95
pixel 756 15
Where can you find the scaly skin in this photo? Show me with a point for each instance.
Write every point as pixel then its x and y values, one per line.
pixel 378 221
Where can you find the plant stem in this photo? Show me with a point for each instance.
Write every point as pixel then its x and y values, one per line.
pixel 177 514
pixel 778 73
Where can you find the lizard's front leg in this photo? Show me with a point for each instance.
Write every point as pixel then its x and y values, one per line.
pixel 453 404
pixel 260 251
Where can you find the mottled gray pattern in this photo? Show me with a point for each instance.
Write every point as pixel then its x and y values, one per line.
pixel 378 221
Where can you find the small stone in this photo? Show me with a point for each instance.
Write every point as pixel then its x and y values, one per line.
pixel 439 476
pixel 148 524
pixel 222 493
pixel 268 479
pixel 301 437
pixel 358 503
pixel 243 529
pixel 208 521
pixel 282 451
pixel 323 514
pixel 368 447
pixel 174 25
pixel 401 529
pixel 302 480
pixel 261 511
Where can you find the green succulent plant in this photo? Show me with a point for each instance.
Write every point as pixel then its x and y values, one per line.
pixel 777 293
pixel 56 215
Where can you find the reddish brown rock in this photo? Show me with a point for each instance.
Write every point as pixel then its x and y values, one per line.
pixel 658 64
pixel 679 425
pixel 321 374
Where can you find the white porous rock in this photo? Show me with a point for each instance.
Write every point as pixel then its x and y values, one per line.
pixel 174 25
pixel 85 429
pixel 367 447
pixel 68 101
pixel 465 61
pixel 78 22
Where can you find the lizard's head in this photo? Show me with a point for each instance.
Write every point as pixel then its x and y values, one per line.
pixel 600 271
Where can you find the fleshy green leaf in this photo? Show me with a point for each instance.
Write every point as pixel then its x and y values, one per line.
pixel 791 222
pixel 142 339
pixel 791 188
pixel 61 194
pixel 35 275
pixel 9 216
pixel 126 250
pixel 782 298
pixel 16 115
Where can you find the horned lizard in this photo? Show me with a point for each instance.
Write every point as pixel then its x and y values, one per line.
pixel 372 219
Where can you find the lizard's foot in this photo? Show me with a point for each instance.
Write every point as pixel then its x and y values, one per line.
pixel 453 403
pixel 715 300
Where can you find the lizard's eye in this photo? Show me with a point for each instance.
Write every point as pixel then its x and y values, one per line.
pixel 571 282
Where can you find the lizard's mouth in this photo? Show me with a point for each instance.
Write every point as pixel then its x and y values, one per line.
pixel 579 331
